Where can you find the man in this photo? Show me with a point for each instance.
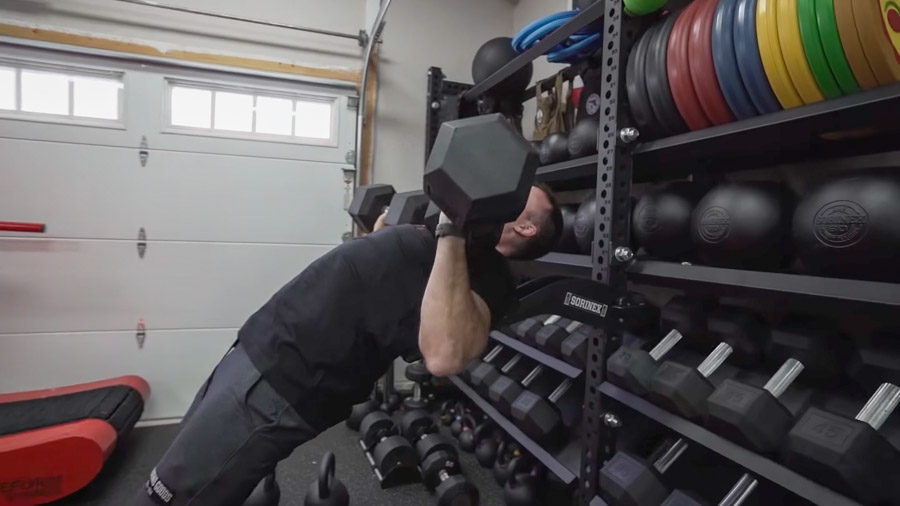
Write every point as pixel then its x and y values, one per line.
pixel 317 347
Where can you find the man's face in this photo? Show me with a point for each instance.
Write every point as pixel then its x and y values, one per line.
pixel 524 228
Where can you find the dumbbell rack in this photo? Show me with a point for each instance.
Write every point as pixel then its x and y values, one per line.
pixel 787 136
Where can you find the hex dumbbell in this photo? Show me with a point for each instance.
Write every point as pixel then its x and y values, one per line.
pixel 628 480
pixel 632 368
pixel 684 390
pixel 369 202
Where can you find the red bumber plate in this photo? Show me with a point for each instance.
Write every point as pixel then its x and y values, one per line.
pixel 703 70
pixel 678 67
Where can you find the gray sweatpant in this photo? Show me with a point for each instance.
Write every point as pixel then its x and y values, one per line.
pixel 235 432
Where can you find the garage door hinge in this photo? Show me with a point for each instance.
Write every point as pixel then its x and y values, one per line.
pixel 141 334
pixel 142 242
pixel 350 156
pixel 144 152
pixel 352 103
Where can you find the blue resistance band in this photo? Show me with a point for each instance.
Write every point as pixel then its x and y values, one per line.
pixel 569 51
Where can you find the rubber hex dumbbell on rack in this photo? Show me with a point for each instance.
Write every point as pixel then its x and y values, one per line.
pixel 550 324
pixel 505 389
pixel 441 472
pixel 498 354
pixel 541 418
pixel 753 416
pixel 369 202
pixel 876 363
pixel 849 455
pixel 689 316
pixel 550 337
pixel 529 325
pixel 632 368
pixel 628 480
pixel 684 390
pixel 818 346
pixel 419 375
pixel 735 497
pixel 742 330
pixel 574 349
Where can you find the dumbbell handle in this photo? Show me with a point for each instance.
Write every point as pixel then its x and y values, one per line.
pixel 739 492
pixel 573 327
pixel 511 363
pixel 443 475
pixel 781 380
pixel 665 344
pixel 538 369
pixel 493 353
pixel 552 319
pixel 714 359
pixel 667 459
pixel 560 390
pixel 880 405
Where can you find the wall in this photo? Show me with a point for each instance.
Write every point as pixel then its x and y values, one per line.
pixel 170 29
pixel 525 12
pixel 421 34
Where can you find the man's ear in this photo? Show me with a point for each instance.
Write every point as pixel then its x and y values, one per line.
pixel 526 228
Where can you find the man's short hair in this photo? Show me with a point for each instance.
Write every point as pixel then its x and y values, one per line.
pixel 549 225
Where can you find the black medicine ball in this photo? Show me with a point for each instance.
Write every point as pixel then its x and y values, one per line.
pixel 491 57
pixel 583 138
pixel 584 224
pixel 567 242
pixel 555 148
pixel 851 227
pixel 744 225
pixel 661 220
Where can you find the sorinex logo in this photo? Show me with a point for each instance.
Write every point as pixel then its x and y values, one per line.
pixel 585 304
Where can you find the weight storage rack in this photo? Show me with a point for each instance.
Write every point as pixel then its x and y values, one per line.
pixel 604 276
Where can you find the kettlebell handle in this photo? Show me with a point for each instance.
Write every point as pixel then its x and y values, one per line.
pixel 469 421
pixel 518 465
pixel 326 475
pixel 482 430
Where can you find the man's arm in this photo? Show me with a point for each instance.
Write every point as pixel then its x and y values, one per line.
pixel 455 320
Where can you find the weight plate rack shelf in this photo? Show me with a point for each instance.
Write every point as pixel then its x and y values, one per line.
pixel 856 124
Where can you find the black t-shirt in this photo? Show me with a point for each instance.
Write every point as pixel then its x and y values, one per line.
pixel 325 337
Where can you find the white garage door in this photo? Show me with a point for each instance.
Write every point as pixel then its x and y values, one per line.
pixel 174 199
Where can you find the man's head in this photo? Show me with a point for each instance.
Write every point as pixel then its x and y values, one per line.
pixel 536 230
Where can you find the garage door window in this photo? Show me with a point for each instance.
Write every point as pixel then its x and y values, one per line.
pixel 65 95
pixel 233 111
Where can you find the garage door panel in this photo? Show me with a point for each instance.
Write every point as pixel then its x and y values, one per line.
pixel 175 363
pixel 79 285
pixel 102 193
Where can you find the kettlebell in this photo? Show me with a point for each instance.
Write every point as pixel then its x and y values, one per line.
pixel 457 424
pixel 467 434
pixel 485 446
pixel 850 227
pixel 446 414
pixel 506 452
pixel 744 225
pixel 555 148
pixel 327 490
pixel 662 219
pixel 266 493
pixel 584 224
pixel 521 488
pixel 583 138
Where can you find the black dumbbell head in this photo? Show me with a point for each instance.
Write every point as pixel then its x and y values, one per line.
pixel 432 216
pixel 574 348
pixel 535 416
pixel 416 424
pixel 435 463
pixel 503 393
pixel 465 152
pixel 483 376
pixel 550 337
pixel 457 491
pixel 631 369
pixel 680 389
pixel 375 426
pixel 368 203
pixel 847 455
pixel 749 416
pixel 529 326
pixel 742 330
pixel 631 481
pixel 417 373
pixel 395 452
pixel 407 208
pixel 434 443
pixel 689 316
pixel 359 412
pixel 871 366
pixel 682 498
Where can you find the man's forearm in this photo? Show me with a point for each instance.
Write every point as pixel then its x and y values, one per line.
pixel 453 327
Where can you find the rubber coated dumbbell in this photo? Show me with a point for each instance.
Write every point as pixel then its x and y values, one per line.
pixel 392 455
pixel 407 208
pixel 632 368
pixel 375 427
pixel 484 375
pixel 541 418
pixel 742 330
pixel 751 416
pixel 441 472
pixel 574 349
pixel 419 375
pixel 819 347
pixel 550 338
pixel 369 201
pixel 529 325
pixel 498 354
pixel 735 497
pixel 689 316
pixel 327 490
pixel 628 480
pixel 684 390
pixel 849 455
pixel 415 424
pixel 505 389
pixel 877 363
pixel 431 443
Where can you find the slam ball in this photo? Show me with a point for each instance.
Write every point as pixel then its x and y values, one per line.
pixel 744 225
pixel 491 57
pixel 851 227
pixel 584 224
pixel 583 138
pixel 555 148
pixel 661 221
